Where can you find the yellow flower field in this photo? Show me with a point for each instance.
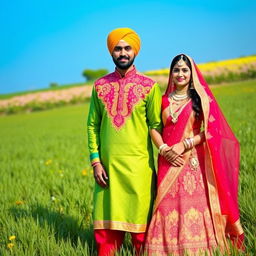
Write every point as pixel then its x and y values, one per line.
pixel 232 70
pixel 237 65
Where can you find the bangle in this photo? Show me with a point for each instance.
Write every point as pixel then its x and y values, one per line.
pixel 162 147
pixel 185 144
pixel 94 164
pixel 189 143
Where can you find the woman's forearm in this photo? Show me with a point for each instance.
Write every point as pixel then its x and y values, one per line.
pixel 193 141
pixel 156 137
pixel 199 138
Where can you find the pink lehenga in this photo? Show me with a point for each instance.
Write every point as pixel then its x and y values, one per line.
pixel 196 206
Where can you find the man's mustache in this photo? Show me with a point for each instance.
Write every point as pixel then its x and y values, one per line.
pixel 123 57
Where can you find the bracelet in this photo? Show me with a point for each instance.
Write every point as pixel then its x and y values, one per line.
pixel 185 144
pixel 189 143
pixel 94 164
pixel 162 147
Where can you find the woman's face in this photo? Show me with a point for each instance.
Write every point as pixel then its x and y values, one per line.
pixel 181 75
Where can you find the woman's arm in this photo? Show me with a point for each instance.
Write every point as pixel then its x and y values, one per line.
pixel 179 148
pixel 199 138
pixel 156 137
pixel 158 141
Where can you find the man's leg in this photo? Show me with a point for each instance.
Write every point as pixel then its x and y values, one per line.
pixel 108 241
pixel 138 241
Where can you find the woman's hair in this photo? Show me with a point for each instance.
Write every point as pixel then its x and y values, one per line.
pixel 196 101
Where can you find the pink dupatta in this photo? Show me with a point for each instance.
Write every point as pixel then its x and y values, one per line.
pixel 222 155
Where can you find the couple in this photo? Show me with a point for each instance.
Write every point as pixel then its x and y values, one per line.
pixel 194 208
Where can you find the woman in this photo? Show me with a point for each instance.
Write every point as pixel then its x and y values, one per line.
pixel 196 206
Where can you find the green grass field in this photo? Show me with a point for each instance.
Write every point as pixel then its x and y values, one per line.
pixel 46 183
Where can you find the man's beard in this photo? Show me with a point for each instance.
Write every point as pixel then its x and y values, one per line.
pixel 125 65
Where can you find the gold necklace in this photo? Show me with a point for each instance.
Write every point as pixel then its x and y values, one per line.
pixel 179 97
pixel 175 115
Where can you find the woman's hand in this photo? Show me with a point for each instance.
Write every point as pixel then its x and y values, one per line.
pixel 169 154
pixel 178 148
pixel 174 154
pixel 100 175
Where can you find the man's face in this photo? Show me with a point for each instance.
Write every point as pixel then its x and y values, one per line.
pixel 123 55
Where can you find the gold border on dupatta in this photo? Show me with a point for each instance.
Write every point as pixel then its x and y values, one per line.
pixel 218 219
pixel 235 228
pixel 173 172
pixel 119 225
pixel 168 181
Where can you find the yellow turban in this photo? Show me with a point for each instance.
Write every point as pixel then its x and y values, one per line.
pixel 126 34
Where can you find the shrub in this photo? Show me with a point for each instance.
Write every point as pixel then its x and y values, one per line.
pixel 91 74
pixel 53 85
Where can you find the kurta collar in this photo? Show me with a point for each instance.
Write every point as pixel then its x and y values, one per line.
pixel 128 74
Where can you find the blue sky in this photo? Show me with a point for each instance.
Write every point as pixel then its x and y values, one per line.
pixel 54 40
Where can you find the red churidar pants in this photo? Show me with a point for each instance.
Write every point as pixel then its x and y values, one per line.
pixel 109 241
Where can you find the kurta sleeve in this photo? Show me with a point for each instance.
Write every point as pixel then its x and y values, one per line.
pixel 154 108
pixel 93 127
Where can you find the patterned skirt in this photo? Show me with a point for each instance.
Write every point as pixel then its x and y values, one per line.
pixel 182 224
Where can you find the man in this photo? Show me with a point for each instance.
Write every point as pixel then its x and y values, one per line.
pixel 125 108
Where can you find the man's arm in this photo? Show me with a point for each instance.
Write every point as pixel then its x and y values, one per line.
pixel 154 101
pixel 93 129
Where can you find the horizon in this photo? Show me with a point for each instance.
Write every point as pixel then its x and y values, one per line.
pixel 55 41
pixel 84 82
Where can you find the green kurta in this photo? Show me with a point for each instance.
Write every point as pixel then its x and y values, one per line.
pixel 121 113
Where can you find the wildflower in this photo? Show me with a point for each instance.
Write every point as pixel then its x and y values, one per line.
pixel 61 173
pixel 19 202
pixel 84 172
pixel 48 162
pixel 53 199
pixel 12 238
pixel 91 171
pixel 10 245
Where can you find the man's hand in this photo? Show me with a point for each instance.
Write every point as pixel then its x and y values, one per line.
pixel 100 175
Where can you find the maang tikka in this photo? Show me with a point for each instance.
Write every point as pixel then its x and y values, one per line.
pixel 181 61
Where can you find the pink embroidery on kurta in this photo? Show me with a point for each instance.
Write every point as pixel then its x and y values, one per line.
pixel 120 95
